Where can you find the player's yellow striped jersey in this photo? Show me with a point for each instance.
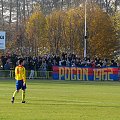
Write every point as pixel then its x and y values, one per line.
pixel 20 73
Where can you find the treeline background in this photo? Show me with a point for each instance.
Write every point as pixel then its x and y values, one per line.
pixel 36 27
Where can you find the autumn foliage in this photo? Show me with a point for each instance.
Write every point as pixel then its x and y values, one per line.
pixel 63 31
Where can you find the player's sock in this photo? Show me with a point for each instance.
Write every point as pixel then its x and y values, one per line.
pixel 23 101
pixel 14 94
pixel 13 98
pixel 23 96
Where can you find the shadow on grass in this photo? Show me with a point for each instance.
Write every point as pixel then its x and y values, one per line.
pixel 70 102
pixel 77 82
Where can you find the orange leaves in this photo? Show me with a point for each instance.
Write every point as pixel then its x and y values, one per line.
pixel 64 31
pixel 36 32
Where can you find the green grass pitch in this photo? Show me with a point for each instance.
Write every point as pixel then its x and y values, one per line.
pixel 61 100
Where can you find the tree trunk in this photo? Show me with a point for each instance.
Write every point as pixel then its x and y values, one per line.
pixel 106 2
pixel 28 12
pixel 10 18
pixel 24 10
pixel 17 7
pixel 2 14
pixel 116 3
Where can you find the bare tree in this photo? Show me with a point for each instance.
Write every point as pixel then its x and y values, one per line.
pixel 24 10
pixel 17 7
pixel 2 14
pixel 10 18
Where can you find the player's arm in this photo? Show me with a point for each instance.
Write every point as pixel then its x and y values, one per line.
pixel 16 72
pixel 24 75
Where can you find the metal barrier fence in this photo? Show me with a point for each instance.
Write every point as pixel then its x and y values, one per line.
pixel 119 74
pixel 10 74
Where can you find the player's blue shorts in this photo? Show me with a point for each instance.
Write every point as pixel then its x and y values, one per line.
pixel 19 85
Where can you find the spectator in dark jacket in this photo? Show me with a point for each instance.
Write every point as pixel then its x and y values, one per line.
pixel 7 69
pixel 113 63
pixel 32 69
pixel 7 66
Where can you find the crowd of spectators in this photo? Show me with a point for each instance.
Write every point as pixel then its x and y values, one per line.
pixel 47 61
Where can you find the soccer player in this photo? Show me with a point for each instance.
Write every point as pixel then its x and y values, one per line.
pixel 20 76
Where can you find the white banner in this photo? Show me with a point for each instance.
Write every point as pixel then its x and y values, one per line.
pixel 2 40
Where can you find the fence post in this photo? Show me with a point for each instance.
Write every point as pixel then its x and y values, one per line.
pixel 35 74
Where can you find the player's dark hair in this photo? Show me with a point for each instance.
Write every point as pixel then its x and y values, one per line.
pixel 20 61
